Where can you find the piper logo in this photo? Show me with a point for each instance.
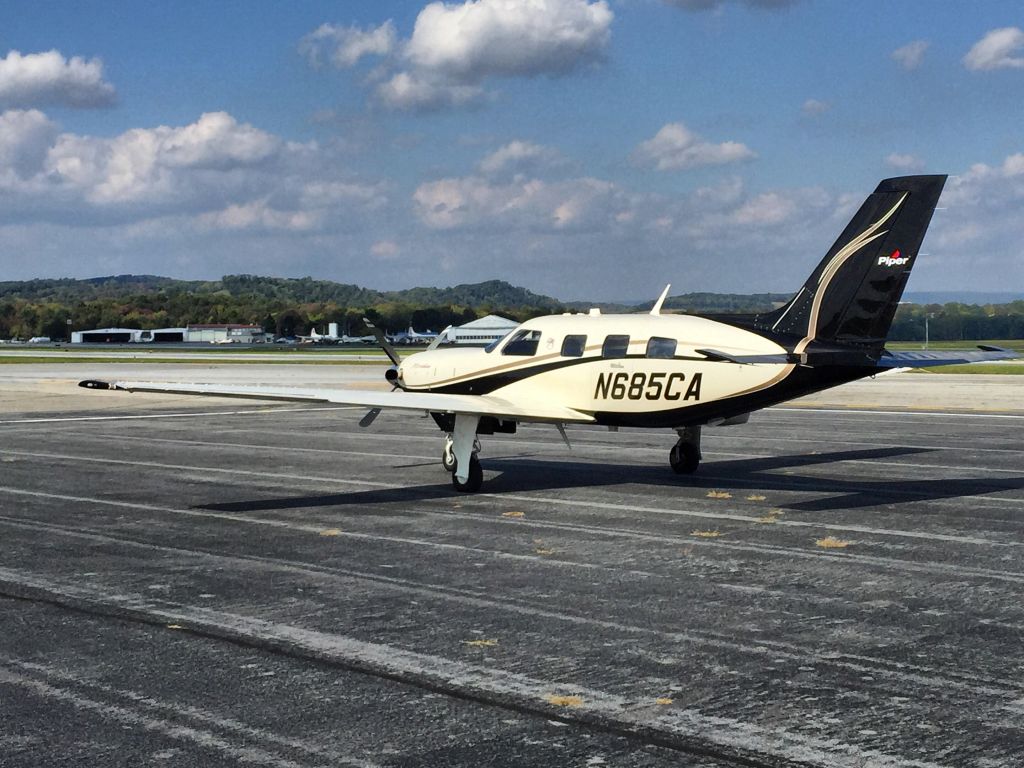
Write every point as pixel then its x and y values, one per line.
pixel 893 260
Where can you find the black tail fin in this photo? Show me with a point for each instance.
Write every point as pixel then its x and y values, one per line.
pixel 852 295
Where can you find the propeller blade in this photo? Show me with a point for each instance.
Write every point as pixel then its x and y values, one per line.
pixel 379 336
pixel 371 414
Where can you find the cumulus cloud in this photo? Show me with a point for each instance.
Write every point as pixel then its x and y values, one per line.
pixel 25 139
pixel 344 46
pixel 425 92
pixel 996 51
pixel 40 79
pixel 517 157
pixel 228 175
pixel 258 214
pixel 506 38
pixel 474 202
pixel 455 48
pixel 904 162
pixel 709 5
pixel 814 107
pixel 911 55
pixel 675 147
pixel 385 250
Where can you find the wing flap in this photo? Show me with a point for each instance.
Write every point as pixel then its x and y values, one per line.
pixel 483 405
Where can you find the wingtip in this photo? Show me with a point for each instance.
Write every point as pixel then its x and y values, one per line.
pixel 95 384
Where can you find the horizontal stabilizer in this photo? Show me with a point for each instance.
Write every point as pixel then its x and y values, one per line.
pixel 928 359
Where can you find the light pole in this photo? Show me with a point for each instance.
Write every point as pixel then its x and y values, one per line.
pixel 926 317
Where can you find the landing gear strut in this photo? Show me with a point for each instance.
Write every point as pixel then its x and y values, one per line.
pixel 685 454
pixel 460 454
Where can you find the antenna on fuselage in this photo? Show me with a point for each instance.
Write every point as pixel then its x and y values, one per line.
pixel 656 309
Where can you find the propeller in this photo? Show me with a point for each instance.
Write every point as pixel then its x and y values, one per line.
pixel 378 334
pixel 392 373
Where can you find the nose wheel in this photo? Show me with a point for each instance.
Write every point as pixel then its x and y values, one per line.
pixel 448 460
pixel 685 456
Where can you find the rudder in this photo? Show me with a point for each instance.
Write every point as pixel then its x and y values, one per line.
pixel 852 295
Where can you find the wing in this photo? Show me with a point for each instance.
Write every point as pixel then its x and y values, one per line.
pixel 925 359
pixel 482 405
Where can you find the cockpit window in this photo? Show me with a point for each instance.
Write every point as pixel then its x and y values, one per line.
pixel 615 346
pixel 573 346
pixel 494 344
pixel 523 343
pixel 661 348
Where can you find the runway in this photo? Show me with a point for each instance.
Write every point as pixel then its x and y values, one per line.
pixel 222 584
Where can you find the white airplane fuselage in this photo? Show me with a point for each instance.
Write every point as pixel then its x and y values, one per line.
pixel 628 382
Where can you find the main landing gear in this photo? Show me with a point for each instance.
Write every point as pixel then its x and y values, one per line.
pixel 685 454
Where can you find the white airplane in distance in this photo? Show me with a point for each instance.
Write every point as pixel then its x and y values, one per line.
pixel 411 336
pixel 678 372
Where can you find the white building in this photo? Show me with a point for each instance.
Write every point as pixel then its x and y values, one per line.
pixel 224 333
pixel 481 332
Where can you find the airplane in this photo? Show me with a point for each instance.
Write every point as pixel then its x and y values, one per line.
pixel 661 371
pixel 413 337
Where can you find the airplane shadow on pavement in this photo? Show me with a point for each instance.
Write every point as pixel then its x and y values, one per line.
pixel 831 491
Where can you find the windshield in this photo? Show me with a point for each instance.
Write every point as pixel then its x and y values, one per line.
pixel 494 344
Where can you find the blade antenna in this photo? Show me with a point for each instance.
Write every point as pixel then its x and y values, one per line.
pixel 379 336
pixel 656 309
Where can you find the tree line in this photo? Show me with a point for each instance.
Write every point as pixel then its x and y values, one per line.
pixel 291 306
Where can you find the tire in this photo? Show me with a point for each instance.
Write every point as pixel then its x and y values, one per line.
pixel 475 479
pixel 684 458
pixel 448 460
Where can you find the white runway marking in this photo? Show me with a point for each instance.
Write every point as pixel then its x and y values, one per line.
pixel 55 684
pixel 293 477
pixel 685 722
pixel 911 673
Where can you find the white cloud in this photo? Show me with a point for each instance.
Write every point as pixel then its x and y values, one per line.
pixel 484 38
pixel 911 55
pixel 39 79
pixel 425 92
pixel 709 5
pixel 258 214
pixel 996 50
pixel 345 46
pixel 518 156
pixel 455 48
pixel 675 147
pixel 904 162
pixel 815 107
pixel 473 202
pixel 385 250
pixel 768 208
pixel 25 138
pixel 141 164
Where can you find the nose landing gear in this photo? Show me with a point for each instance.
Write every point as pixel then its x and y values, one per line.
pixel 685 455
pixel 459 455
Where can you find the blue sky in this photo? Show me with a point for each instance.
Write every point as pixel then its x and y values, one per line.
pixel 581 148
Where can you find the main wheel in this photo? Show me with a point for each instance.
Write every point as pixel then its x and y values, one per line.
pixel 475 479
pixel 684 458
pixel 448 460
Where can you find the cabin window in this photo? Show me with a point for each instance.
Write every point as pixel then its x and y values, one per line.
pixel 615 346
pixel 661 348
pixel 573 346
pixel 523 343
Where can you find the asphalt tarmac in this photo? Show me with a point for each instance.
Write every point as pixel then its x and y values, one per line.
pixel 230 584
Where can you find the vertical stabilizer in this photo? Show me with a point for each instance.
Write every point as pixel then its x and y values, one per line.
pixel 852 295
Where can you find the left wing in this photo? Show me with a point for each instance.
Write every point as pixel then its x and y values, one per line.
pixel 924 359
pixel 481 405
